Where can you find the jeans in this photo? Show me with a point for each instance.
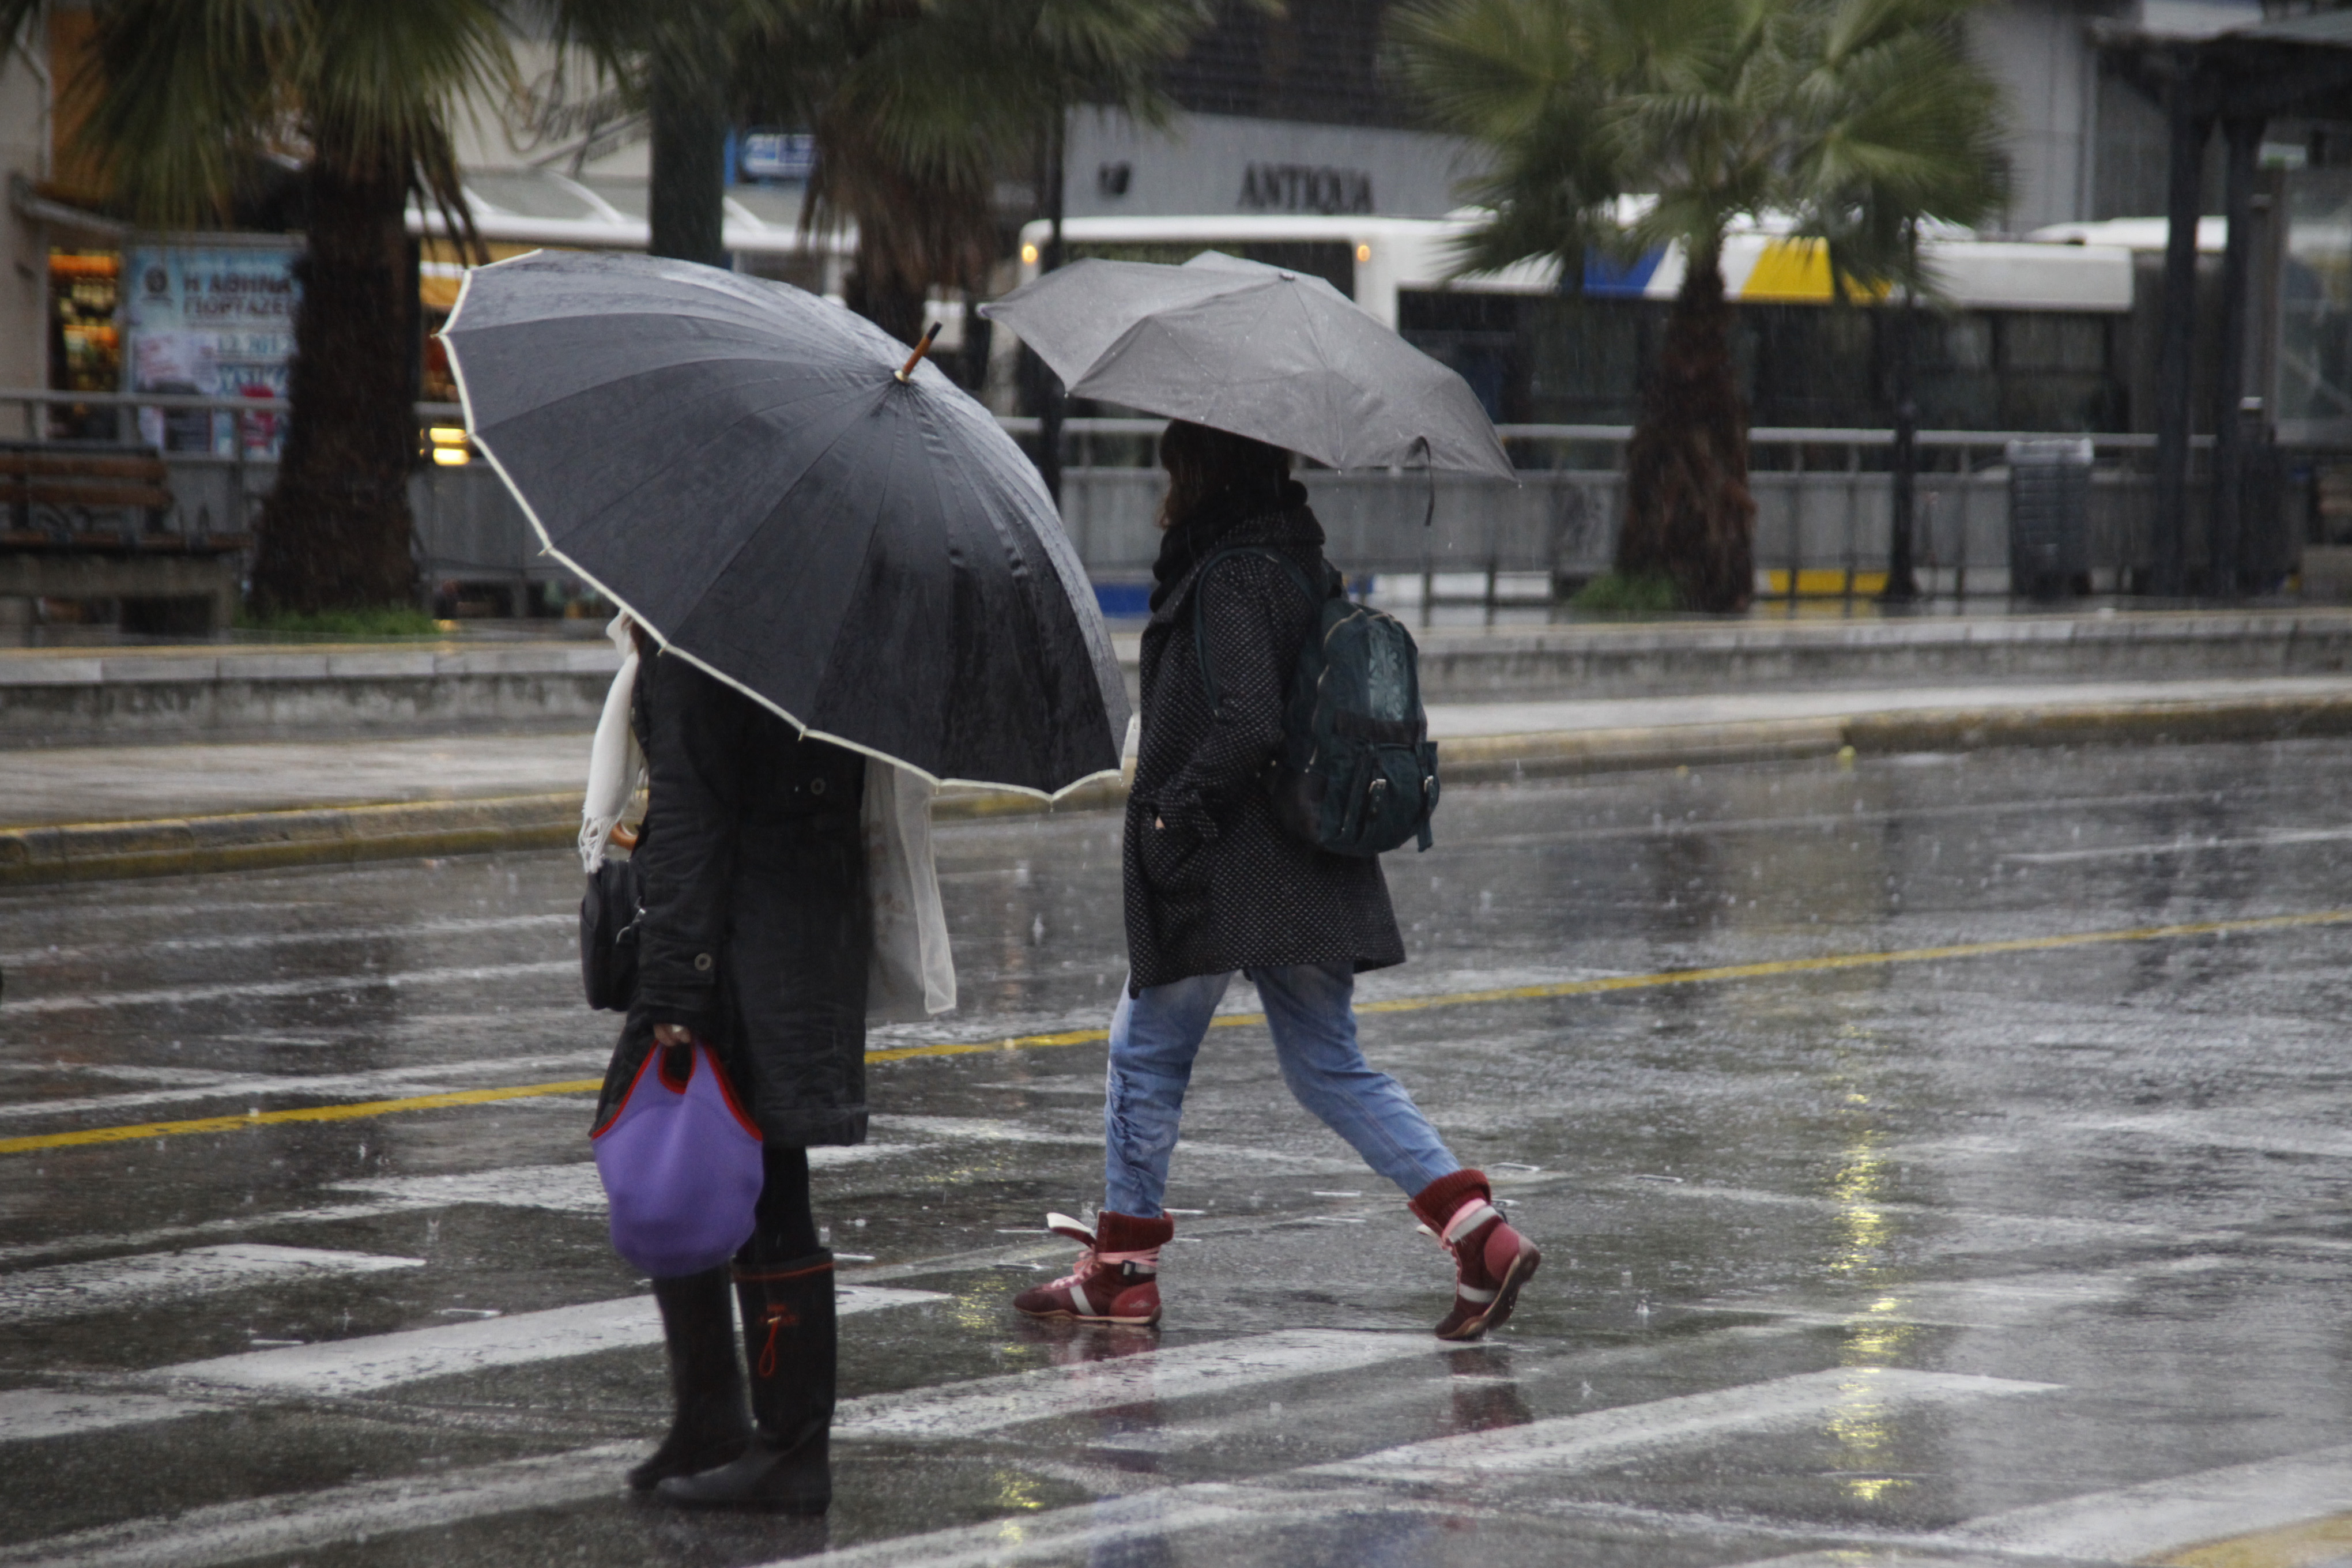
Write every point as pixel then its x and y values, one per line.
pixel 1155 1036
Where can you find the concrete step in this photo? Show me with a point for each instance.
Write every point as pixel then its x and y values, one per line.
pixel 143 696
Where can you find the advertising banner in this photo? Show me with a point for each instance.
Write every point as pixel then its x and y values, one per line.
pixel 216 321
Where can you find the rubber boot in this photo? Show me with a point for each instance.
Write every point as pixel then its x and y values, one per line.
pixel 789 1336
pixel 707 1427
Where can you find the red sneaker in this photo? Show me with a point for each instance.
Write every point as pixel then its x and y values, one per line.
pixel 1118 1277
pixel 1491 1261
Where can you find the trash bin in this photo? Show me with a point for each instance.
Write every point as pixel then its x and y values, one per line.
pixel 2049 517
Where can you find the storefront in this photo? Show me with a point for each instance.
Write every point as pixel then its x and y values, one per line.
pixel 192 315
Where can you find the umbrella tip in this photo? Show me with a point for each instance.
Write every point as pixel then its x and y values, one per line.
pixel 921 349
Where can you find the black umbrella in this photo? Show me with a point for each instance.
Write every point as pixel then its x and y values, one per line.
pixel 746 469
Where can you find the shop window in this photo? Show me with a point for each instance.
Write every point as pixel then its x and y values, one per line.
pixel 85 338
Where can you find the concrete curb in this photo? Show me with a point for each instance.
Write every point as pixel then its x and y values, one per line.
pixel 80 696
pixel 264 839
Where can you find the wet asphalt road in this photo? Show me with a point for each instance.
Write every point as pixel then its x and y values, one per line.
pixel 2037 1252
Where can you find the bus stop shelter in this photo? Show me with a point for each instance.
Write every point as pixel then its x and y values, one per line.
pixel 2238 80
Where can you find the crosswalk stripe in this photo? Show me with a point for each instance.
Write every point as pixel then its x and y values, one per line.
pixel 1144 1521
pixel 34 959
pixel 369 1363
pixel 316 985
pixel 340 1368
pixel 1570 1443
pixel 269 1526
pixel 567 1188
pixel 570 1187
pixel 29 1413
pixel 990 1403
pixel 74 1289
pixel 2158 1520
pixel 232 1532
pixel 243 1086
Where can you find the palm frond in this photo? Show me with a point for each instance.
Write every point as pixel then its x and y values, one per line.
pixel 1853 116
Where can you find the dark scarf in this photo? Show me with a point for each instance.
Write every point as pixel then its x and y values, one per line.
pixel 1192 539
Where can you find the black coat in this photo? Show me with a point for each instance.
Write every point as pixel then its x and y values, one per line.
pixel 1224 886
pixel 757 927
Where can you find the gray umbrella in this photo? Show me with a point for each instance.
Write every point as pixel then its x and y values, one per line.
pixel 750 473
pixel 1257 351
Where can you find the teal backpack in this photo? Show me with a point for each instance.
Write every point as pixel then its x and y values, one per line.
pixel 1358 772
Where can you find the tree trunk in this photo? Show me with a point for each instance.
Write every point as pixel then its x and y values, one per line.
pixel 688 109
pixel 1688 513
pixel 335 532
pixel 885 298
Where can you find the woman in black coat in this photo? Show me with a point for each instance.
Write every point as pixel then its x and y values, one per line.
pixel 1214 884
pixel 754 937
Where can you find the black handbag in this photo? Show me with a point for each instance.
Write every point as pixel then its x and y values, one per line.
pixel 609 912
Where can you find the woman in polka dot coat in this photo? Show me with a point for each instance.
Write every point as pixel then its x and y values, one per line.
pixel 1215 884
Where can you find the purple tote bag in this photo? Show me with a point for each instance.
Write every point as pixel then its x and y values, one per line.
pixel 681 1164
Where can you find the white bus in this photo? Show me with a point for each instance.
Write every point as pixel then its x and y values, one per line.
pixel 2025 335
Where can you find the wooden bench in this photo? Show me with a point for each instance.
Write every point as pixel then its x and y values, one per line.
pixel 55 492
pixel 85 520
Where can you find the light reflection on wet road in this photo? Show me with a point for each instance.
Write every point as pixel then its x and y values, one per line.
pixel 1931 1258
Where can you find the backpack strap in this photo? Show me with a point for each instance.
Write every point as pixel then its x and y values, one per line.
pixel 1200 598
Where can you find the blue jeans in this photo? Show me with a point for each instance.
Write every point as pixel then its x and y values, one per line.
pixel 1155 1036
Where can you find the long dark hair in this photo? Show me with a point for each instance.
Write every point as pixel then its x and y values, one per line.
pixel 1205 466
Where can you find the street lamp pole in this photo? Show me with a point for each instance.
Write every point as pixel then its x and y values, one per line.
pixel 1050 414
pixel 1901 581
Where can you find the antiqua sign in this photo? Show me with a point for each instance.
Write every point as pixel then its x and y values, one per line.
pixel 1305 188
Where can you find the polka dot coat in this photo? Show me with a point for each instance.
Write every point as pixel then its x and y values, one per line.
pixel 1222 885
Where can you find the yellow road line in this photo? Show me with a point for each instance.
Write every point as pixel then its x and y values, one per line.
pixel 1601 986
pixel 307 1113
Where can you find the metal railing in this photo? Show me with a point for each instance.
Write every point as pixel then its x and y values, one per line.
pixel 1823 498
pixel 1823 502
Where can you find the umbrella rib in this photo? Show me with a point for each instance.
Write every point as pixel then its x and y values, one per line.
pixel 1337 419
pixel 872 531
pixel 736 554
pixel 714 439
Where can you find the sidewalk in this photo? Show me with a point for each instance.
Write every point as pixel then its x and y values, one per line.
pixel 112 811
pixel 218 693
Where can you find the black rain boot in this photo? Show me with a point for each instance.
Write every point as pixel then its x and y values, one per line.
pixel 708 1426
pixel 788 1334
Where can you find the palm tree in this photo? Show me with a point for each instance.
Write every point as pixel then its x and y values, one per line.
pixel 685 60
pixel 1852 118
pixel 182 98
pixel 918 107
pixel 921 107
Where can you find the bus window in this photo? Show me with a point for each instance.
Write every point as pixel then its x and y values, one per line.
pixel 1333 261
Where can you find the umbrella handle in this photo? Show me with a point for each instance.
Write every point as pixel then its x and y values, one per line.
pixel 920 349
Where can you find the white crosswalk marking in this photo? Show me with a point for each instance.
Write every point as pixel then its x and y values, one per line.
pixel 2135 1523
pixel 1567 1443
pixel 26 1413
pixel 568 1188
pixel 207 1538
pixel 266 1527
pixel 73 1289
pixel 430 1078
pixel 959 1409
pixel 363 1364
pixel 572 1188
pixel 1097 1531
pixel 183 995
